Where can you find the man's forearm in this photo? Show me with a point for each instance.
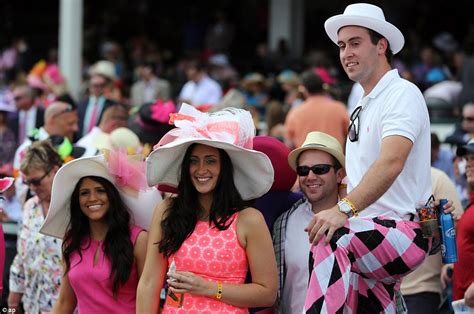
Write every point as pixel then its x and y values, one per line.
pixel 375 183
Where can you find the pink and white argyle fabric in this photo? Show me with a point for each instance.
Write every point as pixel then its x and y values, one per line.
pixel 360 270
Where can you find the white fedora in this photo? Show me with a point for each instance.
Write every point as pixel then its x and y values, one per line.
pixel 232 130
pixel 368 16
pixel 141 202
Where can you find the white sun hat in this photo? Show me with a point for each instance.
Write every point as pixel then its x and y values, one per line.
pixel 230 129
pixel 125 172
pixel 369 16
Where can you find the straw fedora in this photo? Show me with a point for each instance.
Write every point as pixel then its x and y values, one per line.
pixel 318 141
pixel 369 16
pixel 232 130
pixel 141 203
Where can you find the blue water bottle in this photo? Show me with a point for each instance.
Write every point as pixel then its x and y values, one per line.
pixel 448 234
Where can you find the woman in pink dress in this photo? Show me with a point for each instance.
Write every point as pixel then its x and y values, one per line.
pixel 205 238
pixel 96 209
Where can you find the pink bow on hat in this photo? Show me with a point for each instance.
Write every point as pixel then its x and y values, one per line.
pixel 129 171
pixel 191 123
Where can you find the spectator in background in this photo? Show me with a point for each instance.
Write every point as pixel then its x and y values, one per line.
pixel 464 132
pixel 7 135
pixel 200 90
pixel 35 274
pixel 150 123
pixel 422 289
pixel 115 116
pixel 463 275
pixel 254 89
pixel 60 119
pixel 290 81
pixel 319 112
pixel 428 69
pixel 149 88
pixel 91 109
pixel 441 157
pixel 29 116
pixel 467 72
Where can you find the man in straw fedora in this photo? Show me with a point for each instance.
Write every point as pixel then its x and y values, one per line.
pixel 373 231
pixel 319 163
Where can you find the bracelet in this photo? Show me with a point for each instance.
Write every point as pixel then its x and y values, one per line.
pixel 218 295
pixel 353 208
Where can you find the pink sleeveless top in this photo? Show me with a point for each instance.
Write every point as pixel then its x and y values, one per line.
pixel 214 255
pixel 92 285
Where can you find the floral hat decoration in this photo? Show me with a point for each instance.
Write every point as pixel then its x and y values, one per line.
pixel 126 172
pixel 230 129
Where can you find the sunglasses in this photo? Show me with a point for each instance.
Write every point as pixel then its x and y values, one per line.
pixel 353 130
pixel 470 119
pixel 36 182
pixel 303 171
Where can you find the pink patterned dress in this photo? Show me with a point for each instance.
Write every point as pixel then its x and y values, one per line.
pixel 214 255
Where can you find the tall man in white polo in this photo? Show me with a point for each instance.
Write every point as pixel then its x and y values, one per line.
pixel 372 232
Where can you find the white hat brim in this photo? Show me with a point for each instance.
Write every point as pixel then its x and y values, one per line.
pixel 253 170
pixel 141 205
pixel 386 29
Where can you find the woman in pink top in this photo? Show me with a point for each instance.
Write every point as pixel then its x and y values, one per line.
pixel 205 239
pixel 94 206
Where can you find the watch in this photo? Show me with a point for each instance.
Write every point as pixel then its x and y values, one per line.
pixel 346 207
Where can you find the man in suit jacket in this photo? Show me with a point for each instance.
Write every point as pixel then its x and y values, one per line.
pixel 149 88
pixel 29 116
pixel 91 109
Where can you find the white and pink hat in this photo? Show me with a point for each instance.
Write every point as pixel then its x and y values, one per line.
pixel 230 129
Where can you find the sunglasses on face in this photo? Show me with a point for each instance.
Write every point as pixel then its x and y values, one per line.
pixel 303 171
pixel 353 130
pixel 470 119
pixel 35 182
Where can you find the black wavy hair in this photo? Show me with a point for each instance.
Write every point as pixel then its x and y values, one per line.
pixel 117 244
pixel 182 215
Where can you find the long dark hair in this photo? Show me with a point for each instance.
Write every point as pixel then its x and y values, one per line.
pixel 182 215
pixel 117 244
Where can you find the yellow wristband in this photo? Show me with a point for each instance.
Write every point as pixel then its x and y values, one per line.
pixel 218 295
pixel 353 208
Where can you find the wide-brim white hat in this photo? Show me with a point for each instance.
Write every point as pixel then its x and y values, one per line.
pixel 369 16
pixel 141 203
pixel 232 130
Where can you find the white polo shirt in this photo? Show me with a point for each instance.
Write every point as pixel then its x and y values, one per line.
pixel 394 107
pixel 206 91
